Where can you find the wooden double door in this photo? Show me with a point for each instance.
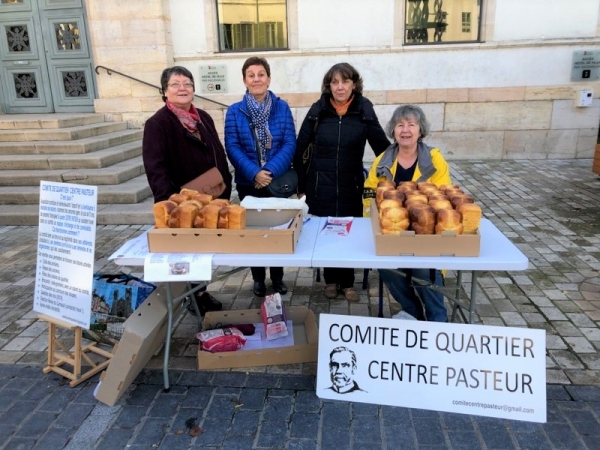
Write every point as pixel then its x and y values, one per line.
pixel 45 58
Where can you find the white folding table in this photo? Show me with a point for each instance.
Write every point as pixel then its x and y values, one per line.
pixel 356 250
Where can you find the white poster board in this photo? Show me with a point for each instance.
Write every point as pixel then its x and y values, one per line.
pixel 65 257
pixel 469 369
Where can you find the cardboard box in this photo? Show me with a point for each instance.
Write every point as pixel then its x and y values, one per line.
pixel 144 334
pixel 410 244
pixel 256 238
pixel 305 348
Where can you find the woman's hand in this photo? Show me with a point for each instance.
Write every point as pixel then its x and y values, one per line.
pixel 262 179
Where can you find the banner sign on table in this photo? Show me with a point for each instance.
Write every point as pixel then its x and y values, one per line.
pixel 469 369
pixel 65 257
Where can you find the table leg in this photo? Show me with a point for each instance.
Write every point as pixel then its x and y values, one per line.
pixel 473 296
pixel 380 314
pixel 455 302
pixel 168 337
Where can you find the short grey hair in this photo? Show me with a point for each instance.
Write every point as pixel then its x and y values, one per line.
pixel 408 112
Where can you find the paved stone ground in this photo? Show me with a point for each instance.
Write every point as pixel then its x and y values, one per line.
pixel 549 209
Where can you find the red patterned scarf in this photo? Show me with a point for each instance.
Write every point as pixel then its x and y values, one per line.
pixel 189 119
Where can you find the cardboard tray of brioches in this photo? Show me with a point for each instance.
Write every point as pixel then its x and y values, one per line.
pixel 407 243
pixel 305 348
pixel 257 237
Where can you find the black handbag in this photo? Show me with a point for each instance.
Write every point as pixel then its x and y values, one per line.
pixel 284 186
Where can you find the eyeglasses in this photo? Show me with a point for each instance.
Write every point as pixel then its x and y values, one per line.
pixel 178 85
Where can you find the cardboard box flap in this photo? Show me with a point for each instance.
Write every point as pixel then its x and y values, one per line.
pixel 144 333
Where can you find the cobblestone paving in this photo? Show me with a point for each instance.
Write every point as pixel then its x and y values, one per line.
pixel 549 209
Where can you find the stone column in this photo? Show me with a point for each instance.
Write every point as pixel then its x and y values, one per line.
pixel 132 37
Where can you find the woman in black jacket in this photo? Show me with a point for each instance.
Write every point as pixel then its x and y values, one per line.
pixel 338 125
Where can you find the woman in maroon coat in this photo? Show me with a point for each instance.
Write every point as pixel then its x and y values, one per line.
pixel 180 143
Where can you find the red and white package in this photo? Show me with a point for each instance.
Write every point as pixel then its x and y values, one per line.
pixel 221 340
pixel 273 317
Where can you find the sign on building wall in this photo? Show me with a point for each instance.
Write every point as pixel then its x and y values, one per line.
pixel 213 79
pixel 586 65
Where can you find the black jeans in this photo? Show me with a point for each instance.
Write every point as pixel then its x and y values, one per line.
pixel 259 273
pixel 342 276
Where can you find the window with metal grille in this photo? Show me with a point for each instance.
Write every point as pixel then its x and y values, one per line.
pixel 466 22
pixel 441 21
pixel 252 25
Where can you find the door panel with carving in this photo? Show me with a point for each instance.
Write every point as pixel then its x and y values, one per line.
pixel 45 58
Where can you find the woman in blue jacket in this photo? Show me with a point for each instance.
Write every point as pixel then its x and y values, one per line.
pixel 260 141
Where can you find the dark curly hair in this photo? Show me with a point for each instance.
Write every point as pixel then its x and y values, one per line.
pixel 347 72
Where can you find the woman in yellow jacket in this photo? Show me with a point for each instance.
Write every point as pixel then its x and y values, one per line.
pixel 409 159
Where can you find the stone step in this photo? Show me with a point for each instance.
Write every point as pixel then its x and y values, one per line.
pixel 85 145
pixel 115 174
pixel 131 191
pixel 113 214
pixel 61 134
pixel 96 160
pixel 47 121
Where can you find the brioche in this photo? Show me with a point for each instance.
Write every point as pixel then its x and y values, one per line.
pixel 422 219
pixel 237 217
pixel 188 193
pixel 178 198
pixel 199 220
pixel 393 220
pixel 220 202
pixel 379 194
pixel 162 212
pixel 458 200
pixel 408 184
pixel 407 188
pixel 389 203
pixel 448 220
pixel 440 204
pixel 386 183
pixel 394 195
pixel 439 196
pixel 446 187
pixel 196 203
pixel 425 185
pixel 471 217
pixel 183 216
pixel 415 198
pixel 223 221
pixel 210 215
pixel 205 199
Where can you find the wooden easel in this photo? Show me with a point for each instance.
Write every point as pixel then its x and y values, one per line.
pixel 62 355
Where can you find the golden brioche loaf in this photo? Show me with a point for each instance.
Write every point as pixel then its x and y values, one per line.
pixel 389 203
pixel 471 217
pixel 458 200
pixel 178 198
pixel 188 193
pixel 448 220
pixel 422 219
pixel 393 194
pixel 210 215
pixel 440 204
pixel 393 220
pixel 236 216
pixel 183 216
pixel 220 202
pixel 386 183
pixel 379 194
pixel 205 199
pixel 162 212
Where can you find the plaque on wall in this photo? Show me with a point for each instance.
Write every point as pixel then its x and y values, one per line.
pixel 586 65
